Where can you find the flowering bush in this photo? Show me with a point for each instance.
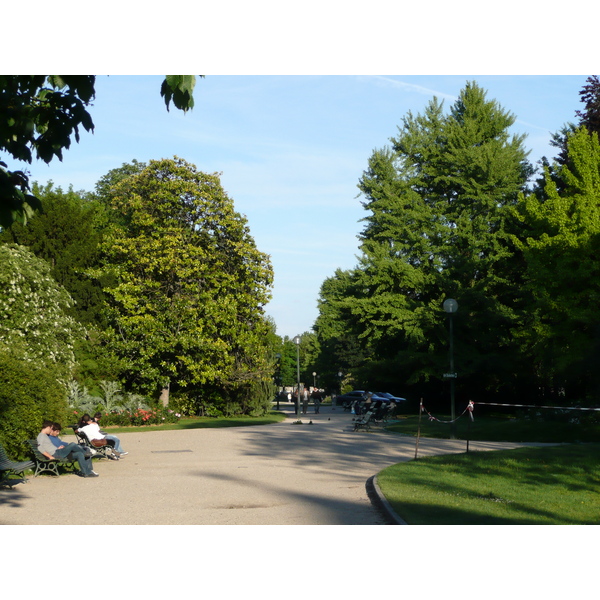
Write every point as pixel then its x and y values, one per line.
pixel 140 417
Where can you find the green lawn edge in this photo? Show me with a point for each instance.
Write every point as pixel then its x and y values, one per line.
pixel 554 485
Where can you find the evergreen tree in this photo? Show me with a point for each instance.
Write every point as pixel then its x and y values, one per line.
pixel 438 227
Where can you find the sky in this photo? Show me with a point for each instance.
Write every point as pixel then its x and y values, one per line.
pixel 290 150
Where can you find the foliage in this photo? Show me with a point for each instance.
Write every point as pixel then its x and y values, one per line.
pixel 110 401
pixel 67 236
pixel 140 417
pixel 561 245
pixel 438 205
pixel 180 90
pixel 34 323
pixel 40 114
pixel 590 96
pixel 189 285
pixel 29 394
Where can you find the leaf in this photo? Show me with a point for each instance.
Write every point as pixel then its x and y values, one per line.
pixel 179 89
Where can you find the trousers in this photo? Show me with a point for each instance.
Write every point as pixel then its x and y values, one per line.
pixel 77 454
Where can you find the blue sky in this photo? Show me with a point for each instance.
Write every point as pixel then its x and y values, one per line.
pixel 291 150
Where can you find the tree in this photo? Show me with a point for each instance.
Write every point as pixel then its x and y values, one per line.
pixel 34 321
pixel 66 234
pixel 590 96
pixel 189 285
pixel 40 114
pixel 339 346
pixel 588 118
pixel 561 245
pixel 437 227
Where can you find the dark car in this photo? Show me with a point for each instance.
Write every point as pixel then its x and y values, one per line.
pixel 389 397
pixel 350 397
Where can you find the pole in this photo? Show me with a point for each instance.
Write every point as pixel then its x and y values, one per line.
pixel 468 433
pixel 452 379
pixel 298 377
pixel 419 428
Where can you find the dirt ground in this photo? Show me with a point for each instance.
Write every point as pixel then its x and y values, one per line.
pixel 282 474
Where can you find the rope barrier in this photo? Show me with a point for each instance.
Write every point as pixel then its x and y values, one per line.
pixel 534 406
pixel 469 410
pixel 471 406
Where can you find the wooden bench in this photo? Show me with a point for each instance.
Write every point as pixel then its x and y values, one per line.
pixel 43 463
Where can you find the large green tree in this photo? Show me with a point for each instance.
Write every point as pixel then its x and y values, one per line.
pixel 437 227
pixel 561 245
pixel 189 284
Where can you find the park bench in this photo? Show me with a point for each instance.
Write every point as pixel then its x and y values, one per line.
pixel 364 423
pixel 43 463
pixel 8 466
pixel 96 451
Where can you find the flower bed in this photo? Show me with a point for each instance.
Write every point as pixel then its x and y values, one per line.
pixel 137 418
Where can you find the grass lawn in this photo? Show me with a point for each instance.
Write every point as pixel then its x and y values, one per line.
pixel 205 422
pixel 556 485
pixel 501 429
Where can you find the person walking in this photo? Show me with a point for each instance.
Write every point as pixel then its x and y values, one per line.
pixel 305 401
pixel 316 396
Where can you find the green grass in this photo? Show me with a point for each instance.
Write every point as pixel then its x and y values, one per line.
pixel 557 485
pixel 205 422
pixel 502 429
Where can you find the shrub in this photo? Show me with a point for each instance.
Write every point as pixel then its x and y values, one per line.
pixel 28 395
pixel 136 418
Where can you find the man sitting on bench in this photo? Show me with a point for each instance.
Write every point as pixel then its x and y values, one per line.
pixel 49 450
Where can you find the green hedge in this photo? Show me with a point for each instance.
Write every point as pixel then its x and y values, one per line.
pixel 28 396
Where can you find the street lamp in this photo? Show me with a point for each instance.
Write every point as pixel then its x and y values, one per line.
pixel 297 341
pixel 314 379
pixel 278 376
pixel 340 378
pixel 451 306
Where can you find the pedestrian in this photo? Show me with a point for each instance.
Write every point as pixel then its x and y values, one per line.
pixel 316 396
pixel 304 401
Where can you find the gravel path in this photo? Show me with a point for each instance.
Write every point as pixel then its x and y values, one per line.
pixel 282 474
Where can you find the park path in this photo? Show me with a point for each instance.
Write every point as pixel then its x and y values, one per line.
pixel 280 474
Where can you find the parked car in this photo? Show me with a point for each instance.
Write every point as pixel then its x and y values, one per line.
pixel 359 395
pixel 350 397
pixel 389 397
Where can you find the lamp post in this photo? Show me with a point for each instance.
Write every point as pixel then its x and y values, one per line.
pixel 314 380
pixel 340 385
pixel 297 341
pixel 451 306
pixel 278 376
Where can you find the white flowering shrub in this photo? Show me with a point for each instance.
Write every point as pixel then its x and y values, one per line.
pixel 34 324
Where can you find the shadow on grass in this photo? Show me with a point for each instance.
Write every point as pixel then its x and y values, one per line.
pixel 524 486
